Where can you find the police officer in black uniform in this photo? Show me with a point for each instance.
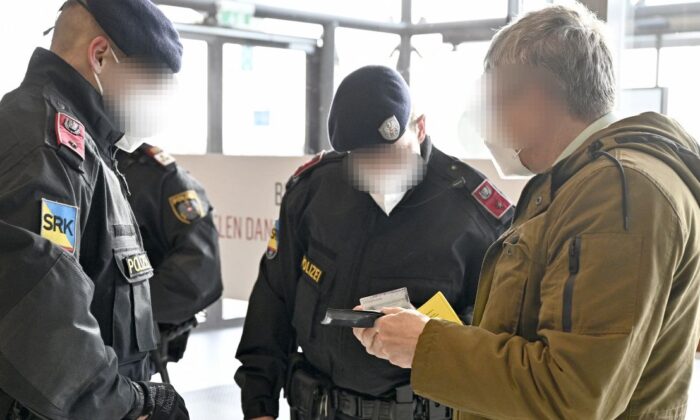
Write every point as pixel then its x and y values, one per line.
pixel 339 240
pixel 75 311
pixel 176 223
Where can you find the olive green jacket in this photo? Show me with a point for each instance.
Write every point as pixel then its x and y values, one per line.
pixel 588 306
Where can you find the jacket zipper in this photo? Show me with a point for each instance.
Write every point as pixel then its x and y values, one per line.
pixel 574 265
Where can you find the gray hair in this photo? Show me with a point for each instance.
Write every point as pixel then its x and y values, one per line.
pixel 569 42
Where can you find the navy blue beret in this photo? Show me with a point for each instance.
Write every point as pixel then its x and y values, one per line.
pixel 139 29
pixel 371 106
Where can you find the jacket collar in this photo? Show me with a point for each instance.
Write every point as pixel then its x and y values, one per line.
pixel 48 69
pixel 541 190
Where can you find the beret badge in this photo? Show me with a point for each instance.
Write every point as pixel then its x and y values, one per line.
pixel 390 129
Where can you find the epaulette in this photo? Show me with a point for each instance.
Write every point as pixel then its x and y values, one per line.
pixel 480 189
pixel 69 133
pixel 70 139
pixel 157 154
pixel 321 159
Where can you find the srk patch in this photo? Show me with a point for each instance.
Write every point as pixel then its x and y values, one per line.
pixel 59 224
pixel 186 206
pixel 311 269
pixel 137 265
pixel 272 244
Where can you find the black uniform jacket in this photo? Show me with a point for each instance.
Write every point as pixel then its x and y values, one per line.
pixel 176 222
pixel 335 245
pixel 75 308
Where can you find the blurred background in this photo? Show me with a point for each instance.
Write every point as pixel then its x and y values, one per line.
pixel 257 81
pixel 267 69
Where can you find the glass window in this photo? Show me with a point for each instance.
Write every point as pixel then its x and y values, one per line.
pixel 388 10
pixel 187 116
pixel 443 81
pixel 22 24
pixel 638 68
pixel 264 101
pixel 182 14
pixel 355 48
pixel 661 2
pixel 456 10
pixel 678 72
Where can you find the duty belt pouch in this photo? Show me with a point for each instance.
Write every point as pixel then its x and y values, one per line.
pixel 308 394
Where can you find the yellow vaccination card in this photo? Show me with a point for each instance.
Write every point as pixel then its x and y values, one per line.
pixel 438 307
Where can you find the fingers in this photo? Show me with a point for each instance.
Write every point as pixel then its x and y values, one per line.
pixel 365 335
pixel 391 311
pixel 357 332
pixel 376 347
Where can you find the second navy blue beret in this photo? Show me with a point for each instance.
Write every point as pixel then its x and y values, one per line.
pixel 139 29
pixel 371 106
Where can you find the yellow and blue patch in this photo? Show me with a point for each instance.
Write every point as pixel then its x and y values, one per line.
pixel 272 243
pixel 59 224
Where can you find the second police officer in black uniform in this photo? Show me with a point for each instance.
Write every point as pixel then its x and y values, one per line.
pixel 344 234
pixel 75 311
pixel 176 223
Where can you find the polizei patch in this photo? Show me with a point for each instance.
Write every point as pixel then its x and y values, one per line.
pixel 137 265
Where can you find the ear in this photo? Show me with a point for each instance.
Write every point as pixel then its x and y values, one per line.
pixel 420 128
pixel 97 51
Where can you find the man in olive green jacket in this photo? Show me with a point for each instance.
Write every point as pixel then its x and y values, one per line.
pixel 588 306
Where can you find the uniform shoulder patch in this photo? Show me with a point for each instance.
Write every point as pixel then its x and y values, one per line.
pixel 71 134
pixel 318 160
pixel 273 243
pixel 491 199
pixel 310 164
pixel 59 224
pixel 159 155
pixel 186 206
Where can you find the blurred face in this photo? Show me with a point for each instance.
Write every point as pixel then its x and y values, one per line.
pixel 137 94
pixel 521 110
pixel 520 105
pixel 388 168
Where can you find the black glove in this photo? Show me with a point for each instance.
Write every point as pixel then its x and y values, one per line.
pixel 160 402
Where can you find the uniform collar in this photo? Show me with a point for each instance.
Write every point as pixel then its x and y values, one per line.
pixel 597 125
pixel 47 68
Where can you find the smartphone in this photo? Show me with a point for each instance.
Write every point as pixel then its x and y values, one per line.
pixel 350 318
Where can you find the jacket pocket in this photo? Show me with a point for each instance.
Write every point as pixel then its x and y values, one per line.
pixel 317 270
pixel 133 316
pixel 506 297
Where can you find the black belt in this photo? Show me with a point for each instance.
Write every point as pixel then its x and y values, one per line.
pixel 312 396
pixel 404 406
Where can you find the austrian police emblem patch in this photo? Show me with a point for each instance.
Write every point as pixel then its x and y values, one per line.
pixel 186 206
pixel 390 129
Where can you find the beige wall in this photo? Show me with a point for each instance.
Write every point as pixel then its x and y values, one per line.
pixel 246 193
